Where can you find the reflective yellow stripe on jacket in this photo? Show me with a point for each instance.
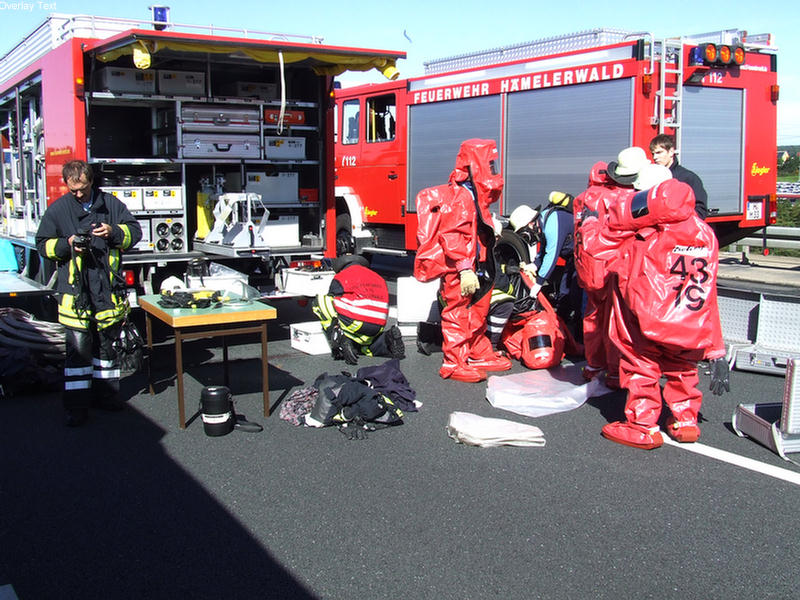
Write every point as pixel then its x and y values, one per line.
pixel 67 315
pixel 126 236
pixel 50 248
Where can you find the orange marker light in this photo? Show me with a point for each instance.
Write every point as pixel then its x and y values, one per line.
pixel 647 84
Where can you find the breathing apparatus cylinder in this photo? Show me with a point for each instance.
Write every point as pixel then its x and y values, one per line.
pixel 216 409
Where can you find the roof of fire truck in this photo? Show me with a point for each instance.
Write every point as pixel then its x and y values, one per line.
pixel 581 40
pixel 114 37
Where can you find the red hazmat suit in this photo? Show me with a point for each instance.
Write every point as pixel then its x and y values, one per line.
pixel 537 337
pixel 595 247
pixel 456 237
pixel 665 316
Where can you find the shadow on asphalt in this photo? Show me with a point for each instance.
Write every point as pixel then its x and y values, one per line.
pixel 102 511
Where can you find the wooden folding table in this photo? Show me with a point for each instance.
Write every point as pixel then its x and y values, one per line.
pixel 227 318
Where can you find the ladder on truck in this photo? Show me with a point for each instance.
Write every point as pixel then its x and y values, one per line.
pixel 668 111
pixel 669 95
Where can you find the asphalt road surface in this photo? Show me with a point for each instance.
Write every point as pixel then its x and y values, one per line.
pixel 131 506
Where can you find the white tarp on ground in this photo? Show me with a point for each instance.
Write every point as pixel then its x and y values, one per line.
pixel 486 432
pixel 543 392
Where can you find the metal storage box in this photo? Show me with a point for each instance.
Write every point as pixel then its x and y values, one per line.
pixel 308 337
pixel 130 196
pixel 305 283
pixel 162 198
pixel 255 89
pixel 776 336
pixel 220 118
pixel 284 147
pixel 220 145
pixel 121 80
pixel 775 425
pixel 277 188
pixel 181 83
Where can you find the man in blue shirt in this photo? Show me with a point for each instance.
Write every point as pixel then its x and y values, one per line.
pixel 550 237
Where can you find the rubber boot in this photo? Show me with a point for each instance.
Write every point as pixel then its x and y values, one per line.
pixel 394 341
pixel 461 372
pixel 497 361
pixel 342 346
pixel 589 372
pixel 482 355
pixel 630 434
pixel 684 432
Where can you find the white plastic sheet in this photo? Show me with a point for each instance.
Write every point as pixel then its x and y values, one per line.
pixel 487 432
pixel 544 391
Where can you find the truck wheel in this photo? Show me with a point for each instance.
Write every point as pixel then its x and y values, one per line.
pixel 345 244
pixel 509 251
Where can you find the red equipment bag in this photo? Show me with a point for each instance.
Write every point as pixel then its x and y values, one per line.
pixel 535 337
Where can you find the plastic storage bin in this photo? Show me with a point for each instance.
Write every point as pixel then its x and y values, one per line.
pixel 308 337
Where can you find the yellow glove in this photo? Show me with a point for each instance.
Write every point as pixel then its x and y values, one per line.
pixel 469 282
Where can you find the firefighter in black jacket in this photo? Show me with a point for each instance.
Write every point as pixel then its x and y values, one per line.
pixel 85 232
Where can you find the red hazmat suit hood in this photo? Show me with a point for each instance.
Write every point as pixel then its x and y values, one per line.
pixel 480 159
pixel 598 174
pixel 669 202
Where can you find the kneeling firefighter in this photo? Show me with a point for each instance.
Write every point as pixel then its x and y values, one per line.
pixel 456 242
pixel 354 312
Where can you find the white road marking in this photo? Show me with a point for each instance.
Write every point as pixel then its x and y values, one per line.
pixel 739 461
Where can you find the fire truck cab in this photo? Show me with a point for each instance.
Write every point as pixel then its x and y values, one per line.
pixel 555 107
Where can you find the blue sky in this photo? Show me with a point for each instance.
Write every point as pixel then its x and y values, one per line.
pixel 426 30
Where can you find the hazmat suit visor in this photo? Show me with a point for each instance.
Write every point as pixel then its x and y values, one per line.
pixel 479 161
pixel 598 175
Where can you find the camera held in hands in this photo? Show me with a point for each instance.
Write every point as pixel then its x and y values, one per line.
pixel 82 239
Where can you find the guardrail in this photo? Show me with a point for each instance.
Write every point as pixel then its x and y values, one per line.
pixel 772 237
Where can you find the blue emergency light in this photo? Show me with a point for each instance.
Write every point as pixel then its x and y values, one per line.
pixel 160 17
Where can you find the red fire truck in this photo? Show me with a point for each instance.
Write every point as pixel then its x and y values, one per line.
pixel 555 107
pixel 219 141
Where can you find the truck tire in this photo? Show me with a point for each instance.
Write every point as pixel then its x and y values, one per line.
pixel 345 244
pixel 509 251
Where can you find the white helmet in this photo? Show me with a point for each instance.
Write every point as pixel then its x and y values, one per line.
pixel 172 284
pixel 651 175
pixel 521 216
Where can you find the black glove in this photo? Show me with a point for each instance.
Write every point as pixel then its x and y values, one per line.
pixel 720 376
pixel 353 431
